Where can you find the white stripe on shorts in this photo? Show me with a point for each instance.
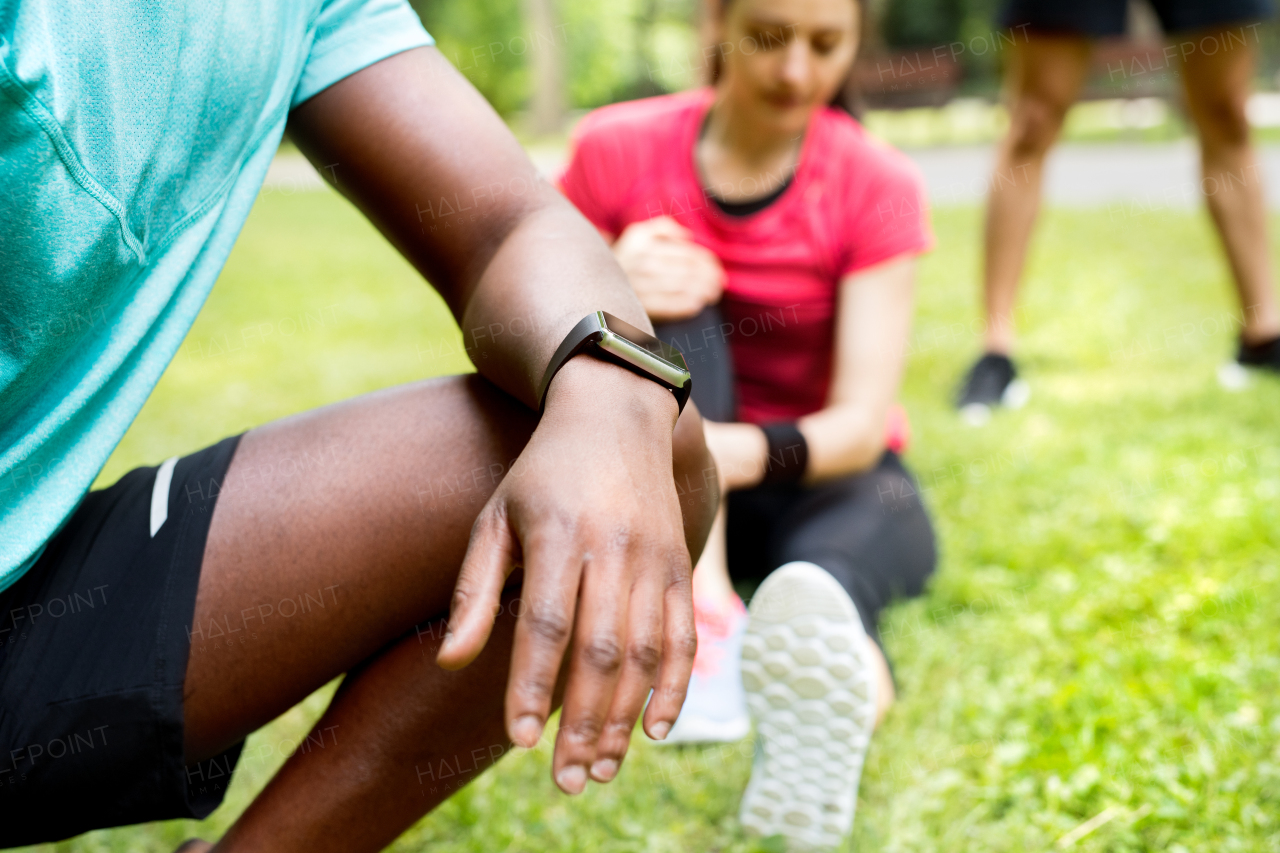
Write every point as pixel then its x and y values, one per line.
pixel 160 495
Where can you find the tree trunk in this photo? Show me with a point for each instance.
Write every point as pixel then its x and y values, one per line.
pixel 548 40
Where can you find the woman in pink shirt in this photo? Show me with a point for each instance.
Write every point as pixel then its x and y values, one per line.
pixel 775 243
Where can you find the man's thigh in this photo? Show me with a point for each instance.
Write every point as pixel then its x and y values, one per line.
pixel 335 532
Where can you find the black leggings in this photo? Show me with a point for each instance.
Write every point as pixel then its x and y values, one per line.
pixel 869 530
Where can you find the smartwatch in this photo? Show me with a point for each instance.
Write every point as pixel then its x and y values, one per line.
pixel 613 340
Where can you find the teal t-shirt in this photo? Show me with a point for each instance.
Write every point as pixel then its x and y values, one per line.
pixel 134 137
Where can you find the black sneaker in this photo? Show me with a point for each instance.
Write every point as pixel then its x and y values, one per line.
pixel 992 381
pixel 1264 356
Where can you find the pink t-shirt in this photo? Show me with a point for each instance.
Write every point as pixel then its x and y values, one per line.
pixel 853 203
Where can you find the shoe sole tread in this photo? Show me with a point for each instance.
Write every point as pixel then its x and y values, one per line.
pixel 814 717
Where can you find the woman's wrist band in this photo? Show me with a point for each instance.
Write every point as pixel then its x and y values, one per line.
pixel 788 453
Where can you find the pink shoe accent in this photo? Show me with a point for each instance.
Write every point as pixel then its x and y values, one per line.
pixel 715 621
pixel 897 429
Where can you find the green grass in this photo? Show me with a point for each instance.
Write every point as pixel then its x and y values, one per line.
pixel 1101 634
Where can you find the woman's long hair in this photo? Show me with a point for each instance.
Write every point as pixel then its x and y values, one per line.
pixel 846 97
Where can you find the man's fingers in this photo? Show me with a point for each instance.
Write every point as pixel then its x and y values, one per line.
pixel 477 594
pixel 596 662
pixel 641 658
pixel 553 568
pixel 679 645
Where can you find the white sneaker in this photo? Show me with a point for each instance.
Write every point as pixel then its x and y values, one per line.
pixel 812 696
pixel 715 708
pixel 1234 376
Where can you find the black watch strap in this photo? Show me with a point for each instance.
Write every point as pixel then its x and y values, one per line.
pixel 620 342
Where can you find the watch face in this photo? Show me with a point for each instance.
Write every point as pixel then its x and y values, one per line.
pixel 644 340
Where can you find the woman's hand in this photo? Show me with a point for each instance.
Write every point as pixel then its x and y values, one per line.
pixel 740 451
pixel 590 511
pixel 674 277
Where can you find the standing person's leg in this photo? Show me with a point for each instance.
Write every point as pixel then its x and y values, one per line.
pixel 1042 81
pixel 1217 83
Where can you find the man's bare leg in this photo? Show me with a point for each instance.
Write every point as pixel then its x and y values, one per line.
pixel 369 502
pixel 400 737
pixel 1217 88
pixel 1043 80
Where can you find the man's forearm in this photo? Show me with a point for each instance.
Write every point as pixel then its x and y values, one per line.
pixel 415 147
pixel 551 270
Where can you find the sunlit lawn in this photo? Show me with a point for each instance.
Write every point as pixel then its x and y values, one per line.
pixel 1101 640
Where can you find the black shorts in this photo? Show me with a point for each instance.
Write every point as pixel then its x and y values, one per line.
pixel 1109 18
pixel 869 531
pixel 94 641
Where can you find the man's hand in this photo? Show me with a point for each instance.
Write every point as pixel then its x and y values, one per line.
pixel 674 277
pixel 591 514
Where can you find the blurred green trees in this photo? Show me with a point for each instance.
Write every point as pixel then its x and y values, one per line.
pixel 921 23
pixel 917 24
pixel 611 50
pixel 479 37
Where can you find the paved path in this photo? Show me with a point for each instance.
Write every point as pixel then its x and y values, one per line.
pixel 1157 176
pixel 1154 176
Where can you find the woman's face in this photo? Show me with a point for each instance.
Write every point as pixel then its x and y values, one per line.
pixel 783 58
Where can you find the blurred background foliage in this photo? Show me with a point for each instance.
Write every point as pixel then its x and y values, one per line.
pixel 923 24
pixel 623 49
pixel 611 51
